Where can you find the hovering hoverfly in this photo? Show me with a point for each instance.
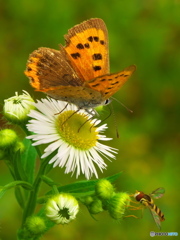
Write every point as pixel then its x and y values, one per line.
pixel 147 201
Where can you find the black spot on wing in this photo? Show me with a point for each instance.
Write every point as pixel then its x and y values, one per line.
pixel 114 83
pixel 96 39
pixel 80 46
pixel 95 85
pixel 29 69
pixel 97 56
pixel 90 39
pixel 97 68
pixel 86 45
pixel 75 55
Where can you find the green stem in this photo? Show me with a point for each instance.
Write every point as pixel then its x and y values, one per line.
pixel 20 197
pixel 31 204
pixel 55 189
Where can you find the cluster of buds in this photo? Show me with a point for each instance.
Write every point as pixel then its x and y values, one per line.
pixel 106 198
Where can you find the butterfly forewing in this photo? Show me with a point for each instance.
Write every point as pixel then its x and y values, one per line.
pixel 158 193
pixel 87 48
pixel 46 70
pixel 111 83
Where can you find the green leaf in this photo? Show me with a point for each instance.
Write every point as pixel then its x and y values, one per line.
pixel 23 184
pixel 48 181
pixel 19 197
pixel 78 189
pixel 83 188
pixel 28 159
pixel 19 171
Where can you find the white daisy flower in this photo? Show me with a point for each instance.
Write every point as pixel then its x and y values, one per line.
pixel 62 208
pixel 72 136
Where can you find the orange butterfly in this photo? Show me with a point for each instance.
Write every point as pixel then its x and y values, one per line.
pixel 79 72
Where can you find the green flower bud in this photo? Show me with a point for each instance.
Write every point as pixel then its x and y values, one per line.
pixel 104 189
pixel 95 207
pixel 19 146
pixel 87 200
pixel 8 138
pixel 17 108
pixel 118 204
pixel 35 225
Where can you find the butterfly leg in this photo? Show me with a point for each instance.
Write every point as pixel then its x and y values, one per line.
pixel 93 124
pixel 62 109
pixel 93 112
pixel 85 123
pixel 71 116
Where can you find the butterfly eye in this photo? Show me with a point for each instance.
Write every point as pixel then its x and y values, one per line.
pixel 107 101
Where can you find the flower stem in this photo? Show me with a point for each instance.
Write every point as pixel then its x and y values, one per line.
pixel 31 204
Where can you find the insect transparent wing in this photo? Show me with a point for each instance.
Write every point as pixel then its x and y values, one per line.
pixel 156 218
pixel 158 193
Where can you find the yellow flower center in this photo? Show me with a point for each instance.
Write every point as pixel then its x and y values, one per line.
pixel 77 130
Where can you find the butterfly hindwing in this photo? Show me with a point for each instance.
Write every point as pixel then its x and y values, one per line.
pixel 111 83
pixel 81 96
pixel 87 48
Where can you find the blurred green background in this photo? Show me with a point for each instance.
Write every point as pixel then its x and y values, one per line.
pixel 145 33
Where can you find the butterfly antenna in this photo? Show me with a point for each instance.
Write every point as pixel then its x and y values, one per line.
pixel 114 118
pixel 108 115
pixel 129 110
